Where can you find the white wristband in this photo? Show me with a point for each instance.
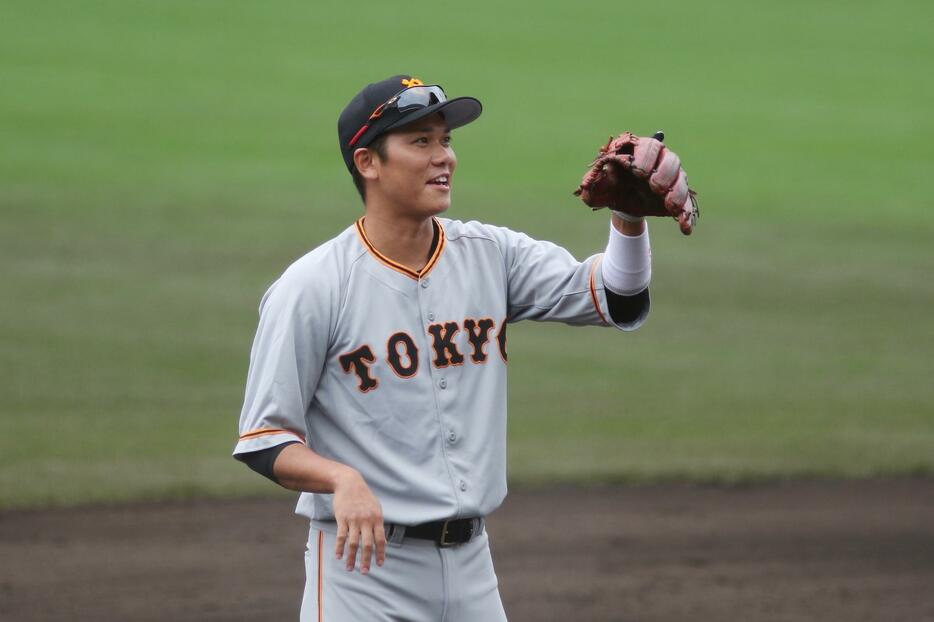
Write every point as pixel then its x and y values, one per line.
pixel 627 217
pixel 627 263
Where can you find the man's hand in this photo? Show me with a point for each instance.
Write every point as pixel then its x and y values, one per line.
pixel 357 510
pixel 359 522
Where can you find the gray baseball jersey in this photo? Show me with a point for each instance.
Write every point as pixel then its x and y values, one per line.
pixel 402 374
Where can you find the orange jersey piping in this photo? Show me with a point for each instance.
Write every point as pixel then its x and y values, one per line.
pixel 593 289
pixel 267 432
pixel 398 267
pixel 320 577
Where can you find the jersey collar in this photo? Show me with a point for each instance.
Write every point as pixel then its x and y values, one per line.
pixel 398 267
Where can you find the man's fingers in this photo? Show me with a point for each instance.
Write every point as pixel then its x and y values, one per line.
pixel 353 543
pixel 341 539
pixel 366 549
pixel 380 543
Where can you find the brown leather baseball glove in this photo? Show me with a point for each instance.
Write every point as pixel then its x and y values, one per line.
pixel 639 176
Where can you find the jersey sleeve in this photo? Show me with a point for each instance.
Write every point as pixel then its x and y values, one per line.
pixel 546 283
pixel 286 362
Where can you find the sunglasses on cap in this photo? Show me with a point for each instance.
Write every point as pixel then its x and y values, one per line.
pixel 406 99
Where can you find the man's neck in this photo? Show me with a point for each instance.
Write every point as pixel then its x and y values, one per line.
pixel 407 242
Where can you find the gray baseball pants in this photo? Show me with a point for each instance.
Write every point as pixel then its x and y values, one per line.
pixel 419 582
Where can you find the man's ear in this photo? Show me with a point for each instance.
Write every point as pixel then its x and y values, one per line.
pixel 366 164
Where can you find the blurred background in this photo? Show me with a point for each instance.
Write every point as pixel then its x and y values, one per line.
pixel 162 162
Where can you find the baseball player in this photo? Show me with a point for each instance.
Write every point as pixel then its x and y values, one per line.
pixel 377 378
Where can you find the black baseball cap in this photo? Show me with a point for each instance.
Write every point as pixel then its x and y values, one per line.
pixel 355 116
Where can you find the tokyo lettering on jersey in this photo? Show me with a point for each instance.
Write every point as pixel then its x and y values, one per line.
pixel 402 374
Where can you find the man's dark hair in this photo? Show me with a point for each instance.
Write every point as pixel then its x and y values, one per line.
pixel 379 146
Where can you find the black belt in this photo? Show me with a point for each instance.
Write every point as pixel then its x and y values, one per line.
pixel 446 533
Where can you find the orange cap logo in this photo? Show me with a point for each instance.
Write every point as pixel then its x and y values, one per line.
pixel 410 82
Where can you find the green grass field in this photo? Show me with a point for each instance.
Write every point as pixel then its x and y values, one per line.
pixel 161 163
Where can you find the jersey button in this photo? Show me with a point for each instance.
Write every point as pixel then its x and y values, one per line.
pixel 463 485
pixel 443 383
pixel 431 316
pixel 425 282
pixel 452 436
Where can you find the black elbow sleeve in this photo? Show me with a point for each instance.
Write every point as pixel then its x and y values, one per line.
pixel 626 309
pixel 262 461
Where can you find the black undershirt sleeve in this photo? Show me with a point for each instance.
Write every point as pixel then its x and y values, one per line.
pixel 626 309
pixel 263 460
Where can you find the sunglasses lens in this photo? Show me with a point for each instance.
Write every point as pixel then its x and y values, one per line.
pixel 414 97
pixel 420 96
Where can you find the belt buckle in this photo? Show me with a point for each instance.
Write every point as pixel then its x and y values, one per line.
pixel 443 542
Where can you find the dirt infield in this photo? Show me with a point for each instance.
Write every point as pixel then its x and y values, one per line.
pixel 779 552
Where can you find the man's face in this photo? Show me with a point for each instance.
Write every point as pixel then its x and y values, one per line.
pixel 416 176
